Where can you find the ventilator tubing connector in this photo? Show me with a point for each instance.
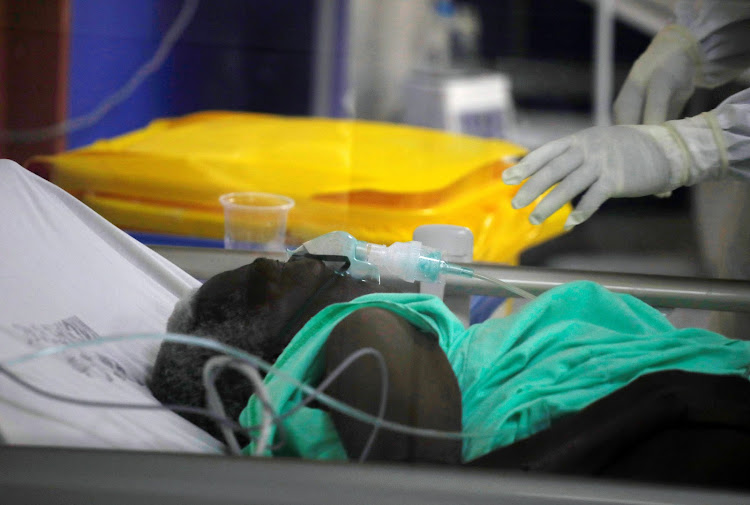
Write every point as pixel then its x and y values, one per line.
pixel 410 261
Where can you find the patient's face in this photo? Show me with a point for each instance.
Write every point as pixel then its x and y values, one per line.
pixel 260 306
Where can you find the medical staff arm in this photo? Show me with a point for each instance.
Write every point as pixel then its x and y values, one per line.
pixel 629 161
pixel 708 45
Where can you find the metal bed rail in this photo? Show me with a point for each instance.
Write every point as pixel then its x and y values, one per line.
pixel 65 476
pixel 656 290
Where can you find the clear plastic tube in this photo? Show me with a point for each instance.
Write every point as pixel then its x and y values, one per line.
pixel 461 271
pixel 513 289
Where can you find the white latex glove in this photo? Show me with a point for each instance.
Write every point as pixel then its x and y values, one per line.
pixel 622 161
pixel 662 80
pixel 615 161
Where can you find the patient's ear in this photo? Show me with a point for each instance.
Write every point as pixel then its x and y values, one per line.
pixel 237 290
pixel 263 282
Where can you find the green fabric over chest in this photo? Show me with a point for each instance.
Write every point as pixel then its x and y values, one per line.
pixel 566 349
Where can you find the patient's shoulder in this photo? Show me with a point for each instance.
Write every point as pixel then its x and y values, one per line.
pixel 422 389
pixel 376 324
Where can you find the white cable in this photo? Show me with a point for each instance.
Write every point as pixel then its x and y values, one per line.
pixel 183 19
pixel 211 370
pixel 262 365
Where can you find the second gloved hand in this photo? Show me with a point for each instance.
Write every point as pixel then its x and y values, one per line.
pixel 661 80
pixel 601 163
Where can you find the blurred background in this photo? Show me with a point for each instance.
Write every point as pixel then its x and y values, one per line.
pixel 528 71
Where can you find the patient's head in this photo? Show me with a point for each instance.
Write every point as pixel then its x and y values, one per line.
pixel 257 308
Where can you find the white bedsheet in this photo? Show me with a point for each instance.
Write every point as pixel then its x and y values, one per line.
pixel 66 274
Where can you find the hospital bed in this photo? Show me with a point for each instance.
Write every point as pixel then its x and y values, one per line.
pixel 43 474
pixel 36 474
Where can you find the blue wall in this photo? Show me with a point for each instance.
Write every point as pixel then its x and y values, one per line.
pixel 252 55
pixel 110 39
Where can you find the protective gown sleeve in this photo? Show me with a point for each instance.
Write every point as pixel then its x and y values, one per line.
pixel 721 29
pixel 711 145
pixel 715 144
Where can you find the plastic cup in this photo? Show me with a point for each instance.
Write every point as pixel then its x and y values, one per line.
pixel 255 221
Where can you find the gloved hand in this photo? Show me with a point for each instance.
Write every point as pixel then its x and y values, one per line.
pixel 603 162
pixel 662 80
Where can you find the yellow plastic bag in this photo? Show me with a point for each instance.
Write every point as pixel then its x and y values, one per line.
pixel 377 181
